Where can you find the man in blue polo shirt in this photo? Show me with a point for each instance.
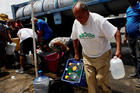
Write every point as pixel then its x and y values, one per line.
pixel 45 34
pixel 132 34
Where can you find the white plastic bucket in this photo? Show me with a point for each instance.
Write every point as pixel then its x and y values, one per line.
pixel 30 58
pixel 49 5
pixel 10 48
pixel 117 68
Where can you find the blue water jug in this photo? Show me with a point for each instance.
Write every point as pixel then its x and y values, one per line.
pixel 41 84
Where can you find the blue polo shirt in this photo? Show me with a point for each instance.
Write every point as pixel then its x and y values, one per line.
pixel 133 20
pixel 47 31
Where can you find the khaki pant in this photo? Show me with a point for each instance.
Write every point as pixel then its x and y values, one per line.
pixel 97 69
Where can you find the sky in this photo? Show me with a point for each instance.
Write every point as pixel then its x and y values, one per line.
pixel 5 6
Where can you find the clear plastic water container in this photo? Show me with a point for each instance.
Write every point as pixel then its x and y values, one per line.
pixel 41 84
pixel 30 58
pixel 117 68
pixel 74 76
pixel 10 48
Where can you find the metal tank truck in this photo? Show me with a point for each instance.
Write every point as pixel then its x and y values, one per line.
pixel 60 11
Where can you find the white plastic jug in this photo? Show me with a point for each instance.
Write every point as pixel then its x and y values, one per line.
pixel 117 68
pixel 10 48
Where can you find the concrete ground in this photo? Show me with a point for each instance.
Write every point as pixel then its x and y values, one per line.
pixel 11 82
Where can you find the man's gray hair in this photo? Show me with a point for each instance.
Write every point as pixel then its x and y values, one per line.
pixel 81 4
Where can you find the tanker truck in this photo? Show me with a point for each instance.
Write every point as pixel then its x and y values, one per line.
pixel 59 12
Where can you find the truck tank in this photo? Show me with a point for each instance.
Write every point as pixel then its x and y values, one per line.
pixel 42 7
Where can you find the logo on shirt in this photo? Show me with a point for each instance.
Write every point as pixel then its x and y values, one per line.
pixel 86 36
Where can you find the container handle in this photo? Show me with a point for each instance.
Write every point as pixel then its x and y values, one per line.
pixel 115 57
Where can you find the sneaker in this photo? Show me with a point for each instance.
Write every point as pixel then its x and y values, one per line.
pixel 131 76
pixel 19 71
pixel 138 84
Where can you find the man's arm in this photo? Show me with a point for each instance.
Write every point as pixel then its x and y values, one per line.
pixel 76 48
pixel 118 42
pixel 40 40
pixel 9 35
pixel 19 36
pixel 61 44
